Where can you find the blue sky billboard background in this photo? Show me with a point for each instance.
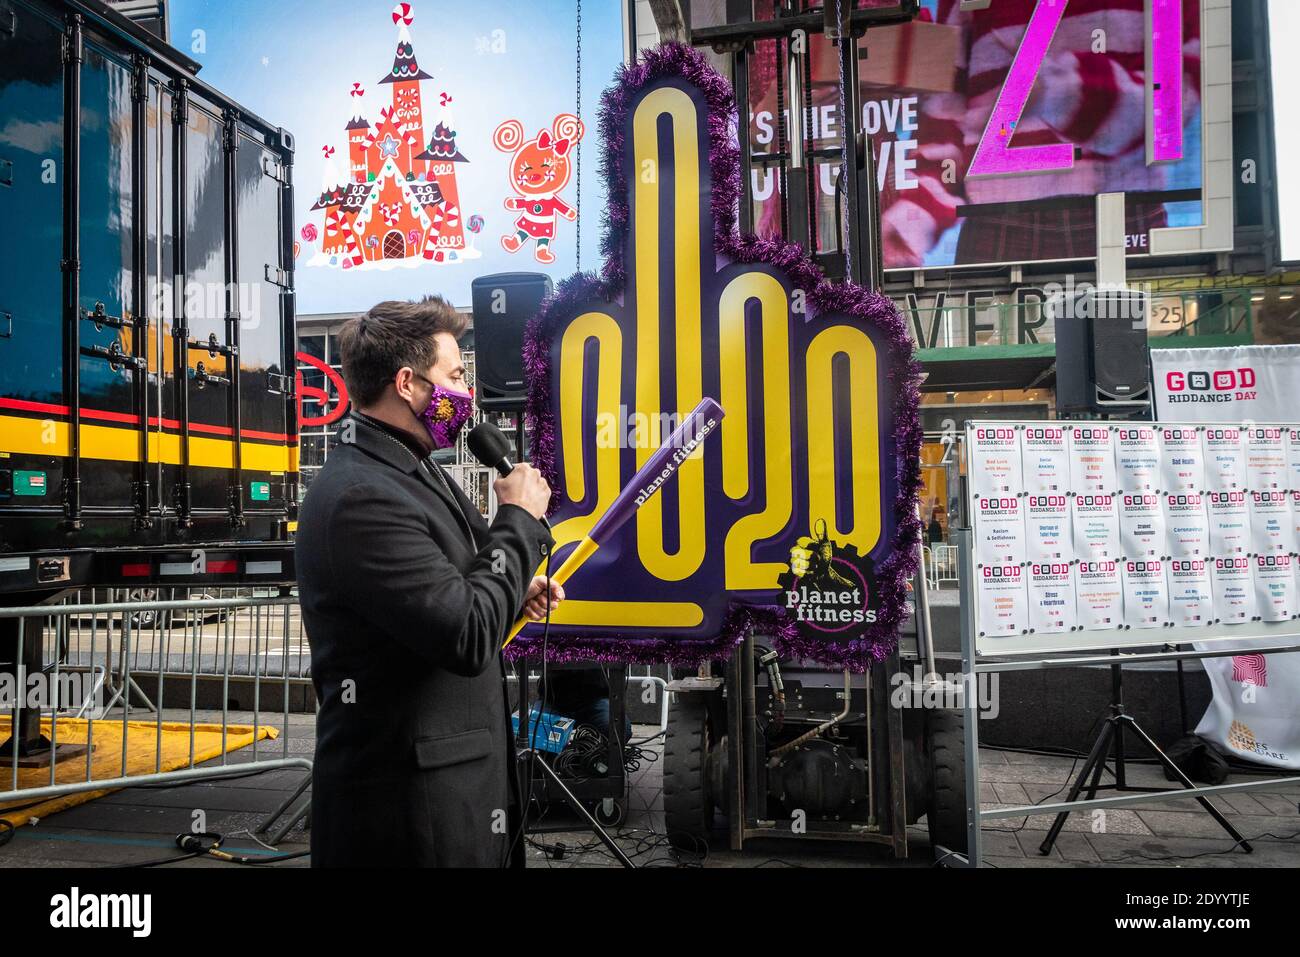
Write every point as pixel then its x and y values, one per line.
pixel 295 62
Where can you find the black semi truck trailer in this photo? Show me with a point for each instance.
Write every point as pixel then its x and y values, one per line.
pixel 148 420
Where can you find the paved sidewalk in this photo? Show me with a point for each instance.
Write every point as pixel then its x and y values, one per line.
pixel 140 824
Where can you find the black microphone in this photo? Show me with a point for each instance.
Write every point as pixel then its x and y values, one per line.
pixel 489 445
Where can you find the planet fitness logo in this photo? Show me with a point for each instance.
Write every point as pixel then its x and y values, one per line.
pixel 829 589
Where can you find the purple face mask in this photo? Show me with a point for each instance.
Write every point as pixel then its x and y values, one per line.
pixel 448 411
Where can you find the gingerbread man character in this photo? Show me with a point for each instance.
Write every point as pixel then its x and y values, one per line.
pixel 539 170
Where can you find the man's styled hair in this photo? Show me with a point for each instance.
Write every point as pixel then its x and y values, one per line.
pixel 391 335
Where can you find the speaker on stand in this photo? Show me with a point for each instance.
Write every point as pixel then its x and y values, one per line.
pixel 1103 359
pixel 503 303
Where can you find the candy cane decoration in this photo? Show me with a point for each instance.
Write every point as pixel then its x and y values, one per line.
pixel 445 214
pixel 391 211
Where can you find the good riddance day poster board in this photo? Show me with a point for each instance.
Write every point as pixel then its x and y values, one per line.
pixel 408 171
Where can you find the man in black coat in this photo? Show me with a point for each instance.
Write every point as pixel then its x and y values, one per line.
pixel 407 595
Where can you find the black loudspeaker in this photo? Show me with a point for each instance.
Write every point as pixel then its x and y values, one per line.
pixel 503 304
pixel 1103 359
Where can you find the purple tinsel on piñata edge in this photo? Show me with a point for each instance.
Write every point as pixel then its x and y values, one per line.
pixel 823 297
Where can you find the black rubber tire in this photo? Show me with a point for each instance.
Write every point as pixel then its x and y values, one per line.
pixel 946 815
pixel 688 804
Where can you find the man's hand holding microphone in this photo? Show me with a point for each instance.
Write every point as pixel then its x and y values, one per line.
pixel 524 486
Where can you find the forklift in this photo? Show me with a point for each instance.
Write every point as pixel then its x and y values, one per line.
pixel 758 747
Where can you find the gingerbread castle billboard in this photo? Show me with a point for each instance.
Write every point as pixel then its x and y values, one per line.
pixel 396 203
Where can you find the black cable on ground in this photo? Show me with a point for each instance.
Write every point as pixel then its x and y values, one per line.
pixel 194 846
pixel 1192 857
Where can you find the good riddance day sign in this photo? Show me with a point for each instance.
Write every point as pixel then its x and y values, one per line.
pixel 798 516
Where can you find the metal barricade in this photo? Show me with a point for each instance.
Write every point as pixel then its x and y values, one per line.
pixel 943 565
pixel 80 660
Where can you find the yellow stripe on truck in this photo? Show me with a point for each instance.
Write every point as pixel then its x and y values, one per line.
pixel 50 437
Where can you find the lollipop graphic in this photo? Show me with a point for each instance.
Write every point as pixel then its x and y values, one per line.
pixel 475 225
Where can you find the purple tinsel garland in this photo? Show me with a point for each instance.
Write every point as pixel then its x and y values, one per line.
pixel 823 297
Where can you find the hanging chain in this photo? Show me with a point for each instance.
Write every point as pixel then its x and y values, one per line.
pixel 577 245
pixel 783 157
pixel 847 229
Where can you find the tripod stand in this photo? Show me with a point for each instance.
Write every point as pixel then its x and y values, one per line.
pixel 528 758
pixel 1112 737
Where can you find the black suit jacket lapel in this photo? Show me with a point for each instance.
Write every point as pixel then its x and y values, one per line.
pixel 376 442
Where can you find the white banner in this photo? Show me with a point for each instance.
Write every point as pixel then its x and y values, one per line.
pixel 994 461
pixel 1099 599
pixel 1045 459
pixel 1051 597
pixel 1255 712
pixel 1241 384
pixel 1182 460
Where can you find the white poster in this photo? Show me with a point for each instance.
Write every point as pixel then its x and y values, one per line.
pixel 1004 606
pixel 994 460
pixel 1047 528
pixel 999 529
pixel 1141 525
pixel 1146 594
pixel 1266 457
pixel 1045 459
pixel 1096 526
pixel 1187 526
pixel 1229 516
pixel 1294 496
pixel 1191 601
pixel 1182 460
pixel 1225 459
pixel 1092 459
pixel 1137 458
pixel 1274 587
pixel 1051 597
pixel 1272 529
pixel 1234 590
pixel 1099 601
pixel 1293 457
